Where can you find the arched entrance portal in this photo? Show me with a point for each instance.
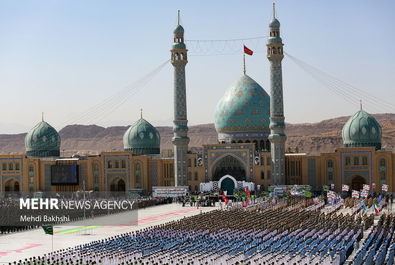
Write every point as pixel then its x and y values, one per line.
pixel 229 165
pixel 357 183
pixel 11 186
pixel 118 185
pixel 227 183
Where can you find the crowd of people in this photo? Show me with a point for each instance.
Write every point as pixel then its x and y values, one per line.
pixel 281 231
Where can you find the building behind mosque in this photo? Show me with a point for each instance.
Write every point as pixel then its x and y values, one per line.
pixel 250 151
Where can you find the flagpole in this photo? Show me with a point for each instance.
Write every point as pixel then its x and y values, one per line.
pixel 244 63
pixel 52 242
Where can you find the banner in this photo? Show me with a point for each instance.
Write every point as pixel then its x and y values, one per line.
pixel 345 187
pixel 355 194
pixel 364 193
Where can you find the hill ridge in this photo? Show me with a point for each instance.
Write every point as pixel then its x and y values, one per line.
pixel 311 138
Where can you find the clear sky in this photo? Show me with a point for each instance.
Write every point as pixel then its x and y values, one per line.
pixel 63 57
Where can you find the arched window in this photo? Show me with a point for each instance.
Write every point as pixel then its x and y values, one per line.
pixel 196 176
pixel 31 171
pixel 269 174
pixel 256 144
pixel 382 175
pixel 262 175
pixel 383 171
pixel 262 145
pixel 189 175
pixel 330 177
pixel 189 162
pixel 137 174
pixel 96 174
pixel 365 160
pixel 330 163
pixel 356 160
pixel 123 163
pixel 196 188
pixel 348 160
pixel 17 166
pixel 109 164
pixel 4 166
pixel 10 166
pixel 116 163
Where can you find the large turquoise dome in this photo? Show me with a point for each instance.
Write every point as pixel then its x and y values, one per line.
pixel 142 138
pixel 362 130
pixel 42 141
pixel 243 112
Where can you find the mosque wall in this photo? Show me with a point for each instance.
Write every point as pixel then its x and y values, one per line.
pixel 343 166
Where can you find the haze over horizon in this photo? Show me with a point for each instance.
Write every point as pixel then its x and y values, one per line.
pixel 63 57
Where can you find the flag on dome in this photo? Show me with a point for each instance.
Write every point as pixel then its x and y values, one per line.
pixel 345 187
pixel 247 51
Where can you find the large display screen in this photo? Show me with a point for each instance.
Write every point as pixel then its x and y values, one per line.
pixel 64 174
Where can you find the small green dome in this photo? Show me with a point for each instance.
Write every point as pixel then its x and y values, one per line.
pixel 142 138
pixel 362 130
pixel 244 109
pixel 178 29
pixel 42 141
pixel 274 23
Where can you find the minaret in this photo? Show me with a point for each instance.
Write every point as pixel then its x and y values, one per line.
pixel 180 128
pixel 277 135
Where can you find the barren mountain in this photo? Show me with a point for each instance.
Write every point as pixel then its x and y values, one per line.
pixel 312 138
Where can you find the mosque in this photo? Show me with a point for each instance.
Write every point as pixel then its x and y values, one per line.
pixel 250 149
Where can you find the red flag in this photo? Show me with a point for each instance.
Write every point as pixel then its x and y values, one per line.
pixel 225 199
pixel 247 51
